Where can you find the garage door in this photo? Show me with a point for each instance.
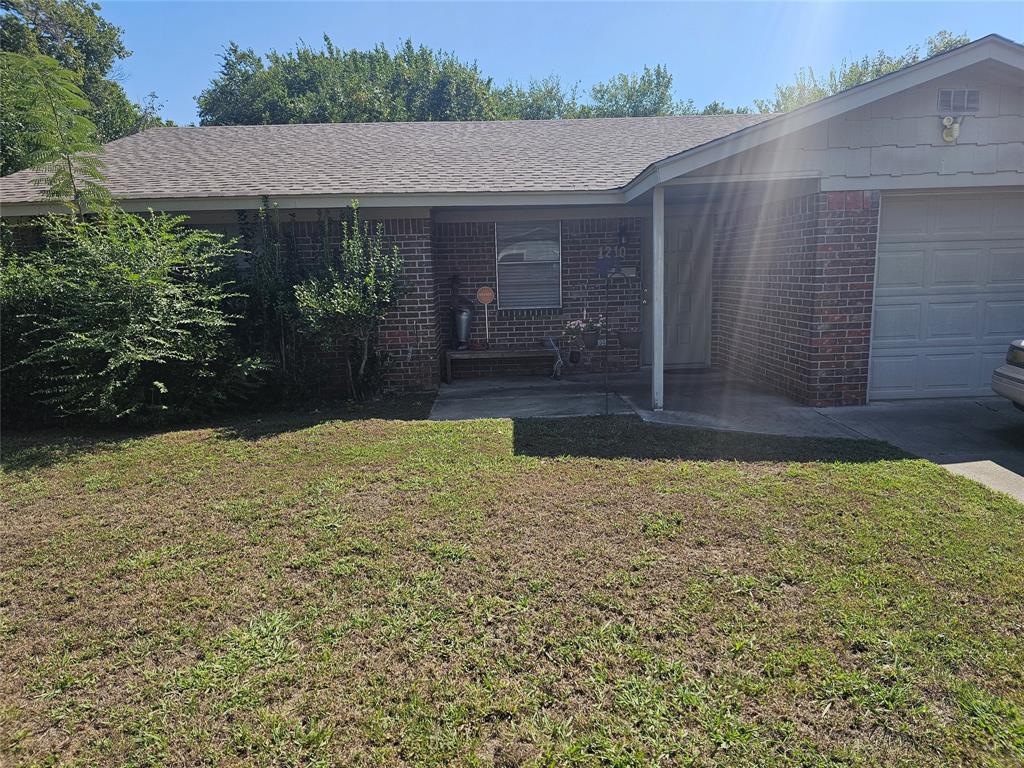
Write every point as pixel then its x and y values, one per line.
pixel 949 292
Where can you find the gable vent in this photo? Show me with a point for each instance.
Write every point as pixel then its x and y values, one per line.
pixel 958 101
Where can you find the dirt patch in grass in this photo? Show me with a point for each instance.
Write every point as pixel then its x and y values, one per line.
pixel 377 591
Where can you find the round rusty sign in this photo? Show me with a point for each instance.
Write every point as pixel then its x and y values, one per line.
pixel 485 294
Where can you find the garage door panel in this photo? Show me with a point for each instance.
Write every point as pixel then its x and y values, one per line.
pixel 1007 264
pixel 958 268
pixel 1006 216
pixel 898 323
pixel 950 371
pixel 952 321
pixel 901 270
pixel 1004 318
pixel 906 218
pixel 961 216
pixel 949 293
pixel 893 376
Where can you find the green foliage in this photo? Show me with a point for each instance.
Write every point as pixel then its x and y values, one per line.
pixel 270 319
pixel 636 95
pixel 118 116
pixel 121 317
pixel 808 87
pixel 545 99
pixel 413 83
pixel 72 33
pixel 334 85
pixel 718 108
pixel 59 138
pixel 25 297
pixel 343 307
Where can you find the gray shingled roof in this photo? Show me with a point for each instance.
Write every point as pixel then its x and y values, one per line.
pixel 391 158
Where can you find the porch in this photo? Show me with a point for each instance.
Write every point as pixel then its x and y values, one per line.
pixel 769 282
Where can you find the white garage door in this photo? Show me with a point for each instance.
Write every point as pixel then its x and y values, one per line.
pixel 949 292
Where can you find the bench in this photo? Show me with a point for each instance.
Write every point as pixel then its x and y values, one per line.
pixel 493 354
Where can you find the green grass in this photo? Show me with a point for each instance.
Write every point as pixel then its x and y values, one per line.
pixel 342 589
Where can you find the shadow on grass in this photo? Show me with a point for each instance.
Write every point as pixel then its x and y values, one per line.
pixel 42 448
pixel 46 448
pixel 264 425
pixel 628 437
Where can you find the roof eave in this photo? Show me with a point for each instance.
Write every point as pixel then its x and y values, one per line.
pixel 288 202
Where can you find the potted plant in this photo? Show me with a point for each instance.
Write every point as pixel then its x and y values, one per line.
pixel 586 329
pixel 630 339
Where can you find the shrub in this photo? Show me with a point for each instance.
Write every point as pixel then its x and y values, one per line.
pixel 343 306
pixel 122 317
pixel 270 323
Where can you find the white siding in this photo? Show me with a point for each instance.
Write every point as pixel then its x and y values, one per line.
pixel 896 142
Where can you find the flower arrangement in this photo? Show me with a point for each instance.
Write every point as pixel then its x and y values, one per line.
pixel 576 328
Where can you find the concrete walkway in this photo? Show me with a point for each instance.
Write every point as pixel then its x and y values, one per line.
pixel 980 438
pixel 711 400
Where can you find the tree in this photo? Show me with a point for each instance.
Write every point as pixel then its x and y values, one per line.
pixel 344 306
pixel 545 99
pixel 718 108
pixel 808 87
pixel 57 136
pixel 637 95
pixel 625 95
pixel 330 85
pixel 308 85
pixel 72 33
pixel 270 323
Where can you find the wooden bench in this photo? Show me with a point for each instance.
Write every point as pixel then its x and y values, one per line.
pixel 493 354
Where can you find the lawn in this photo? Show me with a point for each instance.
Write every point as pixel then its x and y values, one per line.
pixel 355 588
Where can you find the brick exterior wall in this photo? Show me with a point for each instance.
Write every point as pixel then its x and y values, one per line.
pixel 467 249
pixel 792 289
pixel 417 331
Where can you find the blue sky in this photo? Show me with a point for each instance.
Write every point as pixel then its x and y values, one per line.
pixel 730 51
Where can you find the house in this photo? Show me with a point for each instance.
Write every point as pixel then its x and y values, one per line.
pixel 868 246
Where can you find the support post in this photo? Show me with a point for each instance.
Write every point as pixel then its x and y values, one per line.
pixel 658 301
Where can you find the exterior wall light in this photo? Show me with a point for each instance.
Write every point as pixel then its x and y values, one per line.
pixel 950 128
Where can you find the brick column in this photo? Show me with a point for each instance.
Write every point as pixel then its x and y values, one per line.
pixel 411 332
pixel 840 331
pixel 792 291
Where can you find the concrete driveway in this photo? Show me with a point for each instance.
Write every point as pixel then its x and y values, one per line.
pixel 980 438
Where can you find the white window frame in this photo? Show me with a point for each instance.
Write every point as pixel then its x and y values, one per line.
pixel 497 266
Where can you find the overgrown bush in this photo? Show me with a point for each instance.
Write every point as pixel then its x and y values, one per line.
pixel 343 305
pixel 121 317
pixel 270 324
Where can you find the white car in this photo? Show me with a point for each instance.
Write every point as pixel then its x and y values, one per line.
pixel 1008 380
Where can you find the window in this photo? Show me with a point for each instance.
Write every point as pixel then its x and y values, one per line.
pixel 959 101
pixel 529 256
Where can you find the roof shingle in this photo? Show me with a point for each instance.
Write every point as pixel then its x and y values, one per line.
pixel 391 158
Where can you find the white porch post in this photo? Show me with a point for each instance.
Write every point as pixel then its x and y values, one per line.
pixel 658 302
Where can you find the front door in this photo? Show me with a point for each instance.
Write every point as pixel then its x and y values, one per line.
pixel 687 294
